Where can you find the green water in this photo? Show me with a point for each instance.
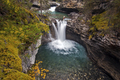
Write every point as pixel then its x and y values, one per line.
pixel 68 63
pixel 58 15
pixel 62 59
pixel 53 14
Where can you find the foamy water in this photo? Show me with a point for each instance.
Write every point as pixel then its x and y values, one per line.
pixel 52 9
pixel 63 47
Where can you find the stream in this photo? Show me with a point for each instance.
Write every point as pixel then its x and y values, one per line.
pixel 67 59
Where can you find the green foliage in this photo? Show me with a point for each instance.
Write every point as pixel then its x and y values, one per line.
pixel 101 22
pixel 18 29
pixel 105 22
pixel 35 71
pixel 12 74
pixel 90 36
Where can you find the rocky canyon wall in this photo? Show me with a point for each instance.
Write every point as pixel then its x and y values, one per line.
pixel 102 50
pixel 29 59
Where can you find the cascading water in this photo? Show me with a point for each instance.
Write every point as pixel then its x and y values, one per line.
pixel 52 9
pixel 66 59
pixel 56 33
pixel 60 30
pixel 50 36
pixel 60 33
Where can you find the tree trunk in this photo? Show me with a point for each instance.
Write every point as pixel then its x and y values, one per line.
pixel 41 6
pixel 79 0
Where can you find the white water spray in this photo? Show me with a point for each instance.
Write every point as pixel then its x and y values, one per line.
pixel 60 41
pixel 52 9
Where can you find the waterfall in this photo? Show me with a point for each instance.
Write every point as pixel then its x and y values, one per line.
pixel 56 32
pixel 60 41
pixel 60 30
pixel 50 36
pixel 52 9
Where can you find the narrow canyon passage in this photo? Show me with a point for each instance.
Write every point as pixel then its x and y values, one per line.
pixel 66 59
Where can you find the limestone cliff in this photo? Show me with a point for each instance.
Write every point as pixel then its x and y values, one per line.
pixel 28 61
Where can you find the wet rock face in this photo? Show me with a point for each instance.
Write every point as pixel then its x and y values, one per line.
pixel 105 56
pixel 75 29
pixel 104 51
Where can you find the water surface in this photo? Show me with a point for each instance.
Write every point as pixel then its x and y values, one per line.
pixel 53 13
pixel 69 62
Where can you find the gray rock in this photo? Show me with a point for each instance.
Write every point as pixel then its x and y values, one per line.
pixel 103 50
pixel 32 51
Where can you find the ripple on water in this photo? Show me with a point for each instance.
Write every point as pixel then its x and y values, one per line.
pixel 68 60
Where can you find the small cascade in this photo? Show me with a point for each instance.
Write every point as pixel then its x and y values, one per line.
pixel 50 36
pixel 60 41
pixel 60 30
pixel 56 32
pixel 52 9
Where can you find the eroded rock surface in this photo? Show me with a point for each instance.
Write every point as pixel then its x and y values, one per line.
pixel 29 58
pixel 103 50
